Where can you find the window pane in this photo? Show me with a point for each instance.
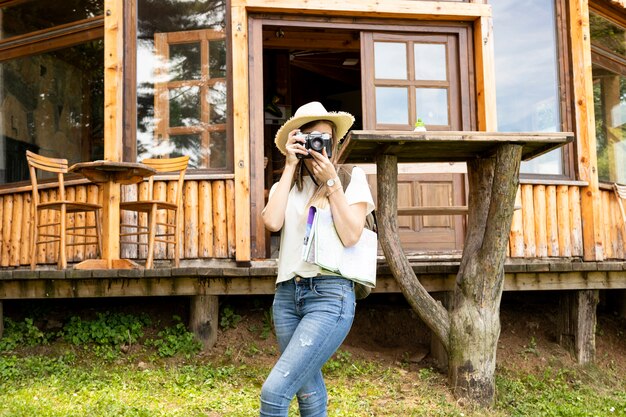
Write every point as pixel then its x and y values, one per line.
pixel 430 61
pixel 392 105
pixel 52 104
pixel 432 105
pixel 217 103
pixel 217 149
pixel 187 145
pixel 386 53
pixel 609 96
pixel 217 59
pixel 184 106
pixel 185 61
pixel 607 35
pixel 28 16
pixel 527 74
pixel 193 79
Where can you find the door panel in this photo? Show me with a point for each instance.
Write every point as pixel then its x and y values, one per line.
pixel 420 234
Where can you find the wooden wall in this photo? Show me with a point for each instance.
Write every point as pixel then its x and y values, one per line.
pixel 548 224
pixel 208 223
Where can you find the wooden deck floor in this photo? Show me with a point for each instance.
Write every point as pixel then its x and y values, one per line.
pixel 228 277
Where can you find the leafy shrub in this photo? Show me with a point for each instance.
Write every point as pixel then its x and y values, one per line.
pixel 21 334
pixel 110 329
pixel 229 318
pixel 174 340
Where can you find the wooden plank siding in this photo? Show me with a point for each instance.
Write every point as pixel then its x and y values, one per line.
pixel 548 224
pixel 208 216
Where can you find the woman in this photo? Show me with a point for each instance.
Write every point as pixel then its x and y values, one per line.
pixel 313 309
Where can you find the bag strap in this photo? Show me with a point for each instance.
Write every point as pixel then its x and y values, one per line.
pixel 345 177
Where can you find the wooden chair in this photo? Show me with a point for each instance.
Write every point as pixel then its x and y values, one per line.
pixel 170 229
pixel 61 205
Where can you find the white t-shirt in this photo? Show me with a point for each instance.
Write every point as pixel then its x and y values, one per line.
pixel 290 261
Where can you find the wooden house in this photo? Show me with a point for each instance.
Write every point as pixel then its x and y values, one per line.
pixel 213 79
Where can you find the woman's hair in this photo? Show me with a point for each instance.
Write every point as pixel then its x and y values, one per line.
pixel 318 198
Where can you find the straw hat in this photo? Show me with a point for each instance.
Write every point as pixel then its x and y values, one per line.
pixel 308 113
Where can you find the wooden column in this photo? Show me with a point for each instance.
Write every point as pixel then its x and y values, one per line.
pixel 204 319
pixel 585 130
pixel 577 323
pixel 113 79
pixel 241 130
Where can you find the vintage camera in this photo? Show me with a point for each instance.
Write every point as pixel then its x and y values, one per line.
pixel 316 141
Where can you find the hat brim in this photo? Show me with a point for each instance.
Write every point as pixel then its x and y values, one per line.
pixel 342 121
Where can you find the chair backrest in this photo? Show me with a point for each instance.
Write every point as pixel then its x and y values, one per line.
pixel 53 165
pixel 620 193
pixel 169 165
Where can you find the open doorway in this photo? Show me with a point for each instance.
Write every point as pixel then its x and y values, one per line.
pixel 302 65
pixel 294 61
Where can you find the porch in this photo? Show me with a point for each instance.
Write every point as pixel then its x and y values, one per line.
pixel 575 284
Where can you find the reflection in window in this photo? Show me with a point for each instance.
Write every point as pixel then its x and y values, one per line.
pixel 51 103
pixel 432 105
pixel 390 61
pixel 430 61
pixel 392 105
pixel 527 74
pixel 181 76
pixel 22 17
pixel 609 96
pixel 184 106
pixel 185 61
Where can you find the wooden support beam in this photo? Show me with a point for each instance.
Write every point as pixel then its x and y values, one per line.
pixel 424 10
pixel 113 79
pixel 204 319
pixel 485 74
pixel 241 131
pixel 577 324
pixel 585 129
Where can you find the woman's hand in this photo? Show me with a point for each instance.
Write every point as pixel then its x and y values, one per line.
pixel 294 146
pixel 323 169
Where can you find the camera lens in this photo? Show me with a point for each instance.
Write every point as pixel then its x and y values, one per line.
pixel 317 144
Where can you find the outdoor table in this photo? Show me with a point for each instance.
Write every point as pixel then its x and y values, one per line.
pixel 110 176
pixel 493 160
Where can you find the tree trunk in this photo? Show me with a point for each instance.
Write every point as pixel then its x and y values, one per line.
pixel 475 315
pixel 471 330
pixel 430 311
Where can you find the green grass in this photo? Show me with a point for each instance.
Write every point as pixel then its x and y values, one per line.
pixel 163 374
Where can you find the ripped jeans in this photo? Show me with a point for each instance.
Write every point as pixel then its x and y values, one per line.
pixel 312 317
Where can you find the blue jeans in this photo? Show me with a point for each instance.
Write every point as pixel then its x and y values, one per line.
pixel 312 317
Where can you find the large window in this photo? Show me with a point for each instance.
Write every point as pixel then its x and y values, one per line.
pixel 51 83
pixel 608 52
pixel 181 76
pixel 527 71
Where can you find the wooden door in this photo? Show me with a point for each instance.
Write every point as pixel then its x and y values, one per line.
pixel 411 76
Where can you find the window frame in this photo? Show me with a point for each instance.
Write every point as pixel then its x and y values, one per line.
pixel 602 57
pixel 460 85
